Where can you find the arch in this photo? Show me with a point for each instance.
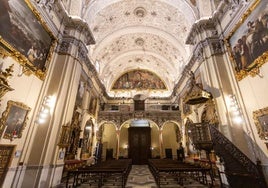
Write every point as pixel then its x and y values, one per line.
pixel 140 29
pixel 108 122
pixel 128 121
pixel 171 138
pixel 88 139
pixel 136 76
pixel 164 66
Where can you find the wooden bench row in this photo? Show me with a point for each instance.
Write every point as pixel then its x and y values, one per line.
pixel 112 173
pixel 166 171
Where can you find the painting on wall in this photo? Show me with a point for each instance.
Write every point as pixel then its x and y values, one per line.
pixel 80 93
pixel 261 121
pixel 139 79
pixel 248 42
pixel 14 120
pixel 25 36
pixel 64 136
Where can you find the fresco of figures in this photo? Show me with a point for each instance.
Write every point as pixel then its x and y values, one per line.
pixel 23 32
pixel 250 39
pixel 139 79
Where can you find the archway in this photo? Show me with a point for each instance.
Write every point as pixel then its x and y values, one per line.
pixel 107 132
pixel 171 134
pixel 125 147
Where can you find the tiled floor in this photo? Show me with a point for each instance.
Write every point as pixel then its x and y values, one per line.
pixel 141 177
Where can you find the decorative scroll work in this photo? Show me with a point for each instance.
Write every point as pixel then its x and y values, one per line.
pixel 222 144
pixel 195 94
pixel 4 86
pixel 158 117
pixel 209 114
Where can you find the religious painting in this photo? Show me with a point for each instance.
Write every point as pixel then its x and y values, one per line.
pixel 261 121
pixel 87 139
pixel 186 109
pixel 80 93
pixel 139 79
pixel 248 42
pixel 64 136
pixel 93 105
pixel 14 119
pixel 25 36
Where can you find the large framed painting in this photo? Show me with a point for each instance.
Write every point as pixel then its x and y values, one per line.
pixel 25 36
pixel 248 42
pixel 14 120
pixel 261 121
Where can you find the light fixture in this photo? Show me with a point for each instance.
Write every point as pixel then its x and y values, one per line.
pixel 235 110
pixel 46 109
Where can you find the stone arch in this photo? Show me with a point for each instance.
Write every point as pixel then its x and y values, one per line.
pixel 99 131
pixel 178 130
pixel 88 138
pixel 108 138
pixel 171 137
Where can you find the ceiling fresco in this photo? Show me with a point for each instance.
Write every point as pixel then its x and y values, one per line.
pixel 139 80
pixel 140 35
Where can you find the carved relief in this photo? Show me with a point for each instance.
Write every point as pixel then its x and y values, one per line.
pixel 209 114
pixel 4 86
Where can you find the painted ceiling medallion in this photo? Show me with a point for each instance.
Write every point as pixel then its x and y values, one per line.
pixel 139 41
pixel 140 12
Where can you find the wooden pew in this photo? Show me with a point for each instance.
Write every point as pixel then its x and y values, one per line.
pixel 114 172
pixel 165 170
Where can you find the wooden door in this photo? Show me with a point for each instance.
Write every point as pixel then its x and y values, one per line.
pixel 139 144
pixel 139 105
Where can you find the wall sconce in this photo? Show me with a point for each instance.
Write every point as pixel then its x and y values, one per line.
pixel 235 110
pixel 46 109
pixel 88 128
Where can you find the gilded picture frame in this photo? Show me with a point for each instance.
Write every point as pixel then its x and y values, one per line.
pixel 247 43
pixel 261 121
pixel 64 136
pixel 14 120
pixel 25 36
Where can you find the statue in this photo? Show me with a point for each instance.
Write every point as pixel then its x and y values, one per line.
pixel 4 86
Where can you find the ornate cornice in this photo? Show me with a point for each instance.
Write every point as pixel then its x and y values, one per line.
pixel 207 24
pixel 77 24
pixel 51 8
pixel 118 118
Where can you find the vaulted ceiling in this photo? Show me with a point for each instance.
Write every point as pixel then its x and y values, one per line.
pixel 140 34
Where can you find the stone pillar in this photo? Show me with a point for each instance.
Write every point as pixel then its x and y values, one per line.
pixel 117 143
pixel 161 149
pixel 42 166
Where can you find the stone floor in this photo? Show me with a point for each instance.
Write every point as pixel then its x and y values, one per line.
pixel 141 177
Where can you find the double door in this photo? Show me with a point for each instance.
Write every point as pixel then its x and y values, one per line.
pixel 139 144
